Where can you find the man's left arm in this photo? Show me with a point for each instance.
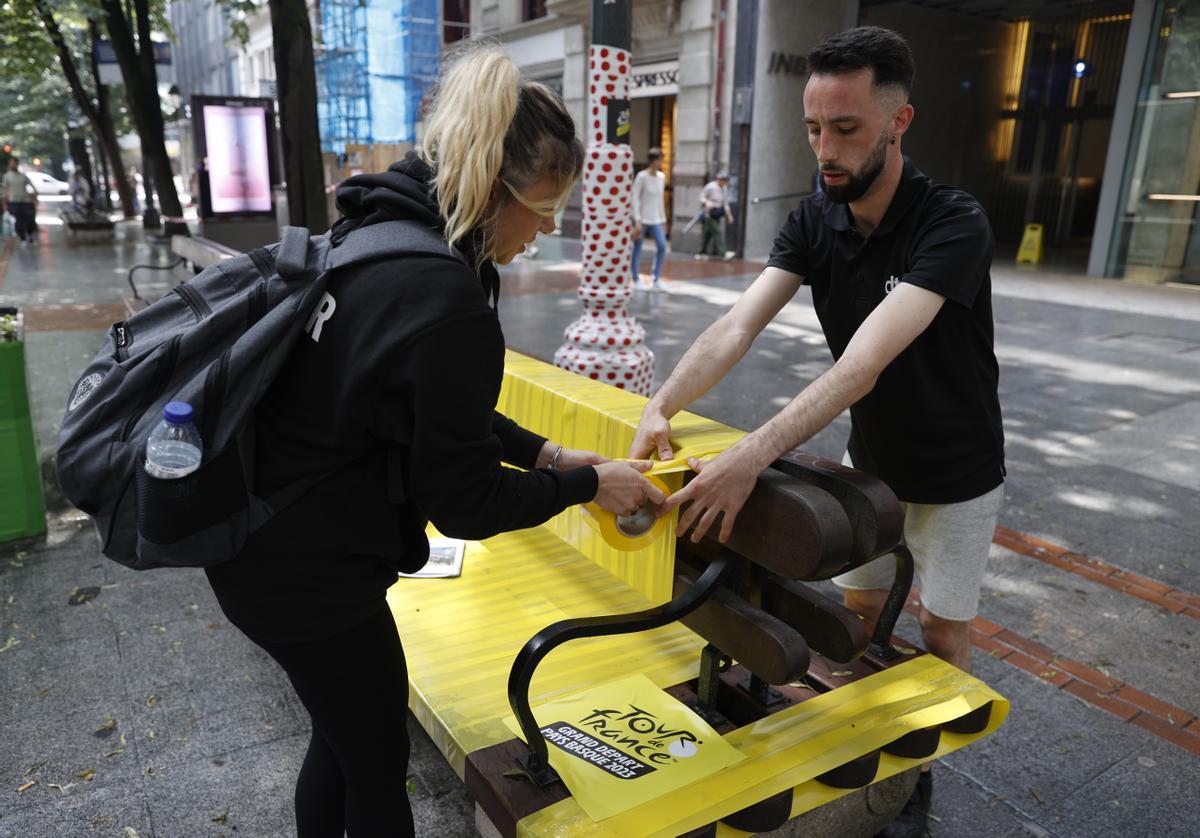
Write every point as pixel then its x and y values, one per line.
pixel 723 483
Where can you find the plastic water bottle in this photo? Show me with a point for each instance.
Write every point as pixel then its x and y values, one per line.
pixel 174 447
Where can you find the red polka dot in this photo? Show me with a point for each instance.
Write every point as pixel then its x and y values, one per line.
pixel 604 53
pixel 599 137
pixel 604 65
pixel 606 167
pixel 593 375
pixel 603 100
pixel 621 69
pixel 620 385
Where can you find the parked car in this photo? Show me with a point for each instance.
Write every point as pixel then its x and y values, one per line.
pixel 46 185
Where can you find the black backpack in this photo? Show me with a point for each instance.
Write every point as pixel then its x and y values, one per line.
pixel 216 342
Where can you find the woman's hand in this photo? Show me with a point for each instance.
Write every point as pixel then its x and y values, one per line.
pixel 574 458
pixel 568 458
pixel 623 490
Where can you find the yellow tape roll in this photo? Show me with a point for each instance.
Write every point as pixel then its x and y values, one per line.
pixel 628 533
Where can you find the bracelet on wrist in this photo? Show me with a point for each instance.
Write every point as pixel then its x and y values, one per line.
pixel 554 459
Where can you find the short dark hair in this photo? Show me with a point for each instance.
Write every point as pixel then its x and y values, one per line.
pixel 654 154
pixel 882 50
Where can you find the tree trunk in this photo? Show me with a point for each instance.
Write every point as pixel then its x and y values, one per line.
pixel 296 79
pixel 97 113
pixel 107 136
pixel 141 88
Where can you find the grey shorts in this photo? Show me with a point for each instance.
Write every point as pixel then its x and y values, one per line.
pixel 950 544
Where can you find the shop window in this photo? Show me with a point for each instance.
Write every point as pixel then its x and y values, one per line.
pixel 1157 237
pixel 533 9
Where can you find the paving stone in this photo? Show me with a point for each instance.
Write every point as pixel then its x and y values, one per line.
pixel 42 680
pixel 1147 647
pixel 58 748
pixel 1050 745
pixel 182 722
pixel 961 806
pixel 85 809
pixel 1151 791
pixel 248 791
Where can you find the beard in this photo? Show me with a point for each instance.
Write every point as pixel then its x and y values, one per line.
pixel 857 183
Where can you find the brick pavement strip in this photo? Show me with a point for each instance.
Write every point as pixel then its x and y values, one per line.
pixel 73 318
pixel 1166 721
pixel 1144 588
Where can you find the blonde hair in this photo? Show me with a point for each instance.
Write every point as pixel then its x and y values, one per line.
pixel 487 126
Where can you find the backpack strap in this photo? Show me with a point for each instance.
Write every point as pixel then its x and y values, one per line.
pixel 292 255
pixel 391 238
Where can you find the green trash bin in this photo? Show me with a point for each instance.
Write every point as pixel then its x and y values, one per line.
pixel 22 505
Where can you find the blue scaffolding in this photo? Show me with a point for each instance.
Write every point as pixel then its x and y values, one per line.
pixel 376 59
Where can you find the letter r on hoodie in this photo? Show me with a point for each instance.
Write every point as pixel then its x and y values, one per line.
pixel 321 313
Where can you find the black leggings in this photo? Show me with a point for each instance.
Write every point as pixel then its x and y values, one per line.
pixel 355 687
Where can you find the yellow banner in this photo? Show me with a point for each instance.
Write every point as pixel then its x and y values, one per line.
pixel 625 743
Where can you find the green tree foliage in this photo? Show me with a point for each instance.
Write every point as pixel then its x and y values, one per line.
pixel 46 70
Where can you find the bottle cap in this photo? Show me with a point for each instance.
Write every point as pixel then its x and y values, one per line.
pixel 178 413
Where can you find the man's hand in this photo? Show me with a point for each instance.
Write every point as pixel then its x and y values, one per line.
pixel 637 230
pixel 653 436
pixel 720 487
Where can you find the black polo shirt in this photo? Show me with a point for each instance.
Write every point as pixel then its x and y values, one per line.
pixel 931 427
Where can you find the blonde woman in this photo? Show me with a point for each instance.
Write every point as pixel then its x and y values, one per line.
pixel 392 395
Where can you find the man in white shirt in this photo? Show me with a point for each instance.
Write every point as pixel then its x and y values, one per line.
pixel 650 215
pixel 19 197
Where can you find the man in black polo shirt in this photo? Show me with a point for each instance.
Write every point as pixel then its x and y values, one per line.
pixel 899 271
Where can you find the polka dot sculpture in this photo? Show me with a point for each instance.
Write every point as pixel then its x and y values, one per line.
pixel 607 344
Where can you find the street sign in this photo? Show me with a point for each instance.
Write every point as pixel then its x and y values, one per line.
pixel 110 70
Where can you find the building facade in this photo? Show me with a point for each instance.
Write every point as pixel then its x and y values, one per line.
pixel 682 73
pixel 1083 118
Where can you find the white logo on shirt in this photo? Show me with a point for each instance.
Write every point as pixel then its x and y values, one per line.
pixel 890 285
pixel 321 313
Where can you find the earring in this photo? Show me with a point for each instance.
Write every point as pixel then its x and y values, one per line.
pixel 892 139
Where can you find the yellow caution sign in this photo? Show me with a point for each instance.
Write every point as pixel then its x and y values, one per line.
pixel 1031 245
pixel 627 743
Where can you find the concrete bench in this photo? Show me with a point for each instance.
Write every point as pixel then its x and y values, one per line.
pixel 200 252
pixel 461 637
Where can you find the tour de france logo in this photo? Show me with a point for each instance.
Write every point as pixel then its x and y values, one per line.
pixel 624 743
pixel 890 285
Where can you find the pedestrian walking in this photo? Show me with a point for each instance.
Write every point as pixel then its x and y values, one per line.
pixel 388 401
pixel 714 203
pixel 20 201
pixel 650 216
pixel 899 268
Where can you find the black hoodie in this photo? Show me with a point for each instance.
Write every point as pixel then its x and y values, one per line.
pixel 393 396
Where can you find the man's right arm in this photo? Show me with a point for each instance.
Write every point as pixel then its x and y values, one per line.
pixel 714 353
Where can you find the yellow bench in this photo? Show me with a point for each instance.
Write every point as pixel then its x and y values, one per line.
pixel 461 635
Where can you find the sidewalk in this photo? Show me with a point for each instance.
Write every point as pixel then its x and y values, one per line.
pixel 140 709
